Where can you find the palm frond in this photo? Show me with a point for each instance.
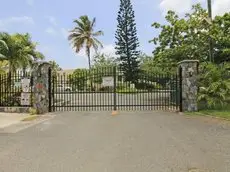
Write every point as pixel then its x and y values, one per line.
pixel 98 33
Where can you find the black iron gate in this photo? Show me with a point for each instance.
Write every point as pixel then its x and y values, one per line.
pixel 106 89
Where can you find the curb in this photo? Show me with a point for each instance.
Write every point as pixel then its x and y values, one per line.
pixel 30 118
pixel 209 116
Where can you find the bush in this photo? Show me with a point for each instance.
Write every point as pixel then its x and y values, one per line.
pixel 148 86
pixel 32 111
pixel 214 87
pixel 127 90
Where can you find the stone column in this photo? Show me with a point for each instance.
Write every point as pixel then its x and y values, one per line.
pixel 189 70
pixel 41 87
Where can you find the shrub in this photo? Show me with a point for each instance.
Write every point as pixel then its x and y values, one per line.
pixel 127 90
pixel 214 86
pixel 32 111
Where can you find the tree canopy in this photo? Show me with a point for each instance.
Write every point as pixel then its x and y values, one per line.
pixel 126 41
pixel 188 37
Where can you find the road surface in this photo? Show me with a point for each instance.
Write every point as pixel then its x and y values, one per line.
pixel 129 142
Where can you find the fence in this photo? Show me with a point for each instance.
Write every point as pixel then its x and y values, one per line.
pixel 109 89
pixel 11 92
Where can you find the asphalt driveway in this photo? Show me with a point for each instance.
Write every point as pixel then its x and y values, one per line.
pixel 129 142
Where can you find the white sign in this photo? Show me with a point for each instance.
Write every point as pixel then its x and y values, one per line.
pixel 25 85
pixel 108 81
pixel 25 99
pixel 17 84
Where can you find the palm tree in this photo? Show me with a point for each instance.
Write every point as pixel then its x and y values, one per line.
pixel 28 52
pixel 20 51
pixel 3 49
pixel 83 36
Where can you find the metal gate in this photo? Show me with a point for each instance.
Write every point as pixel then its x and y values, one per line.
pixel 106 89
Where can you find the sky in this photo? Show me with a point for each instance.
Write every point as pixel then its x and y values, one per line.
pixel 48 22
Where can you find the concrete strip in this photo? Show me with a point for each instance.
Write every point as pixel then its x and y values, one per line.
pixel 7 119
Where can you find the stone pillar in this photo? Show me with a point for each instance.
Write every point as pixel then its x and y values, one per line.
pixel 189 70
pixel 41 87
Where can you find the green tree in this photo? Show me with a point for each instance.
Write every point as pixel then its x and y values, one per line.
pixel 220 34
pixel 102 66
pixel 55 67
pixel 182 38
pixel 127 42
pixel 20 52
pixel 3 66
pixel 150 66
pixel 189 37
pixel 3 49
pixel 84 36
pixel 79 79
pixel 29 54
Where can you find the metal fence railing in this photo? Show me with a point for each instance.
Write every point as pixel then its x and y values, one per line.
pixel 11 90
pixel 109 89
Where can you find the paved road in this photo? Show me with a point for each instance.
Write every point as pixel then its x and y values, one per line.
pixel 129 142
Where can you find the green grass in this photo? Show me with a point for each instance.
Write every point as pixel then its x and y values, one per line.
pixel 225 114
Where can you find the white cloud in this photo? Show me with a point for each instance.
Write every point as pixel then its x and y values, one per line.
pixel 24 20
pixel 220 7
pixel 52 20
pixel 51 31
pixel 64 32
pixel 109 50
pixel 180 6
pixel 30 2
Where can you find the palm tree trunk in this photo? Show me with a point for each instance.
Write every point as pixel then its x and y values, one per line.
pixel 89 62
pixel 9 76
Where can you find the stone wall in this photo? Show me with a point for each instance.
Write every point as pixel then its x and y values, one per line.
pixel 189 85
pixel 41 87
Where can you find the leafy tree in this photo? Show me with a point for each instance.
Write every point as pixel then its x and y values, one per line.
pixel 102 66
pixel 84 36
pixel 3 49
pixel 20 51
pixel 3 66
pixel 55 67
pixel 188 37
pixel 127 41
pixel 29 53
pixel 150 66
pixel 182 38
pixel 79 79
pixel 220 33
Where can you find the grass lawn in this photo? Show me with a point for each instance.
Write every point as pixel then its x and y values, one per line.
pixel 215 113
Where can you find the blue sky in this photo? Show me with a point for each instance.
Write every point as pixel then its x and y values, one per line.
pixel 48 21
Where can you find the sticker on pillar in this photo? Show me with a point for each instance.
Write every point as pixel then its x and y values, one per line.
pixel 25 99
pixel 39 86
pixel 25 85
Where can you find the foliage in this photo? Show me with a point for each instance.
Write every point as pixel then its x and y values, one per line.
pixel 103 66
pixel 3 49
pixel 225 114
pixel 214 85
pixel 84 36
pixel 188 37
pixel 3 66
pixel 151 66
pixel 33 111
pixel 220 33
pixel 20 52
pixel 127 90
pixel 79 79
pixel 127 41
